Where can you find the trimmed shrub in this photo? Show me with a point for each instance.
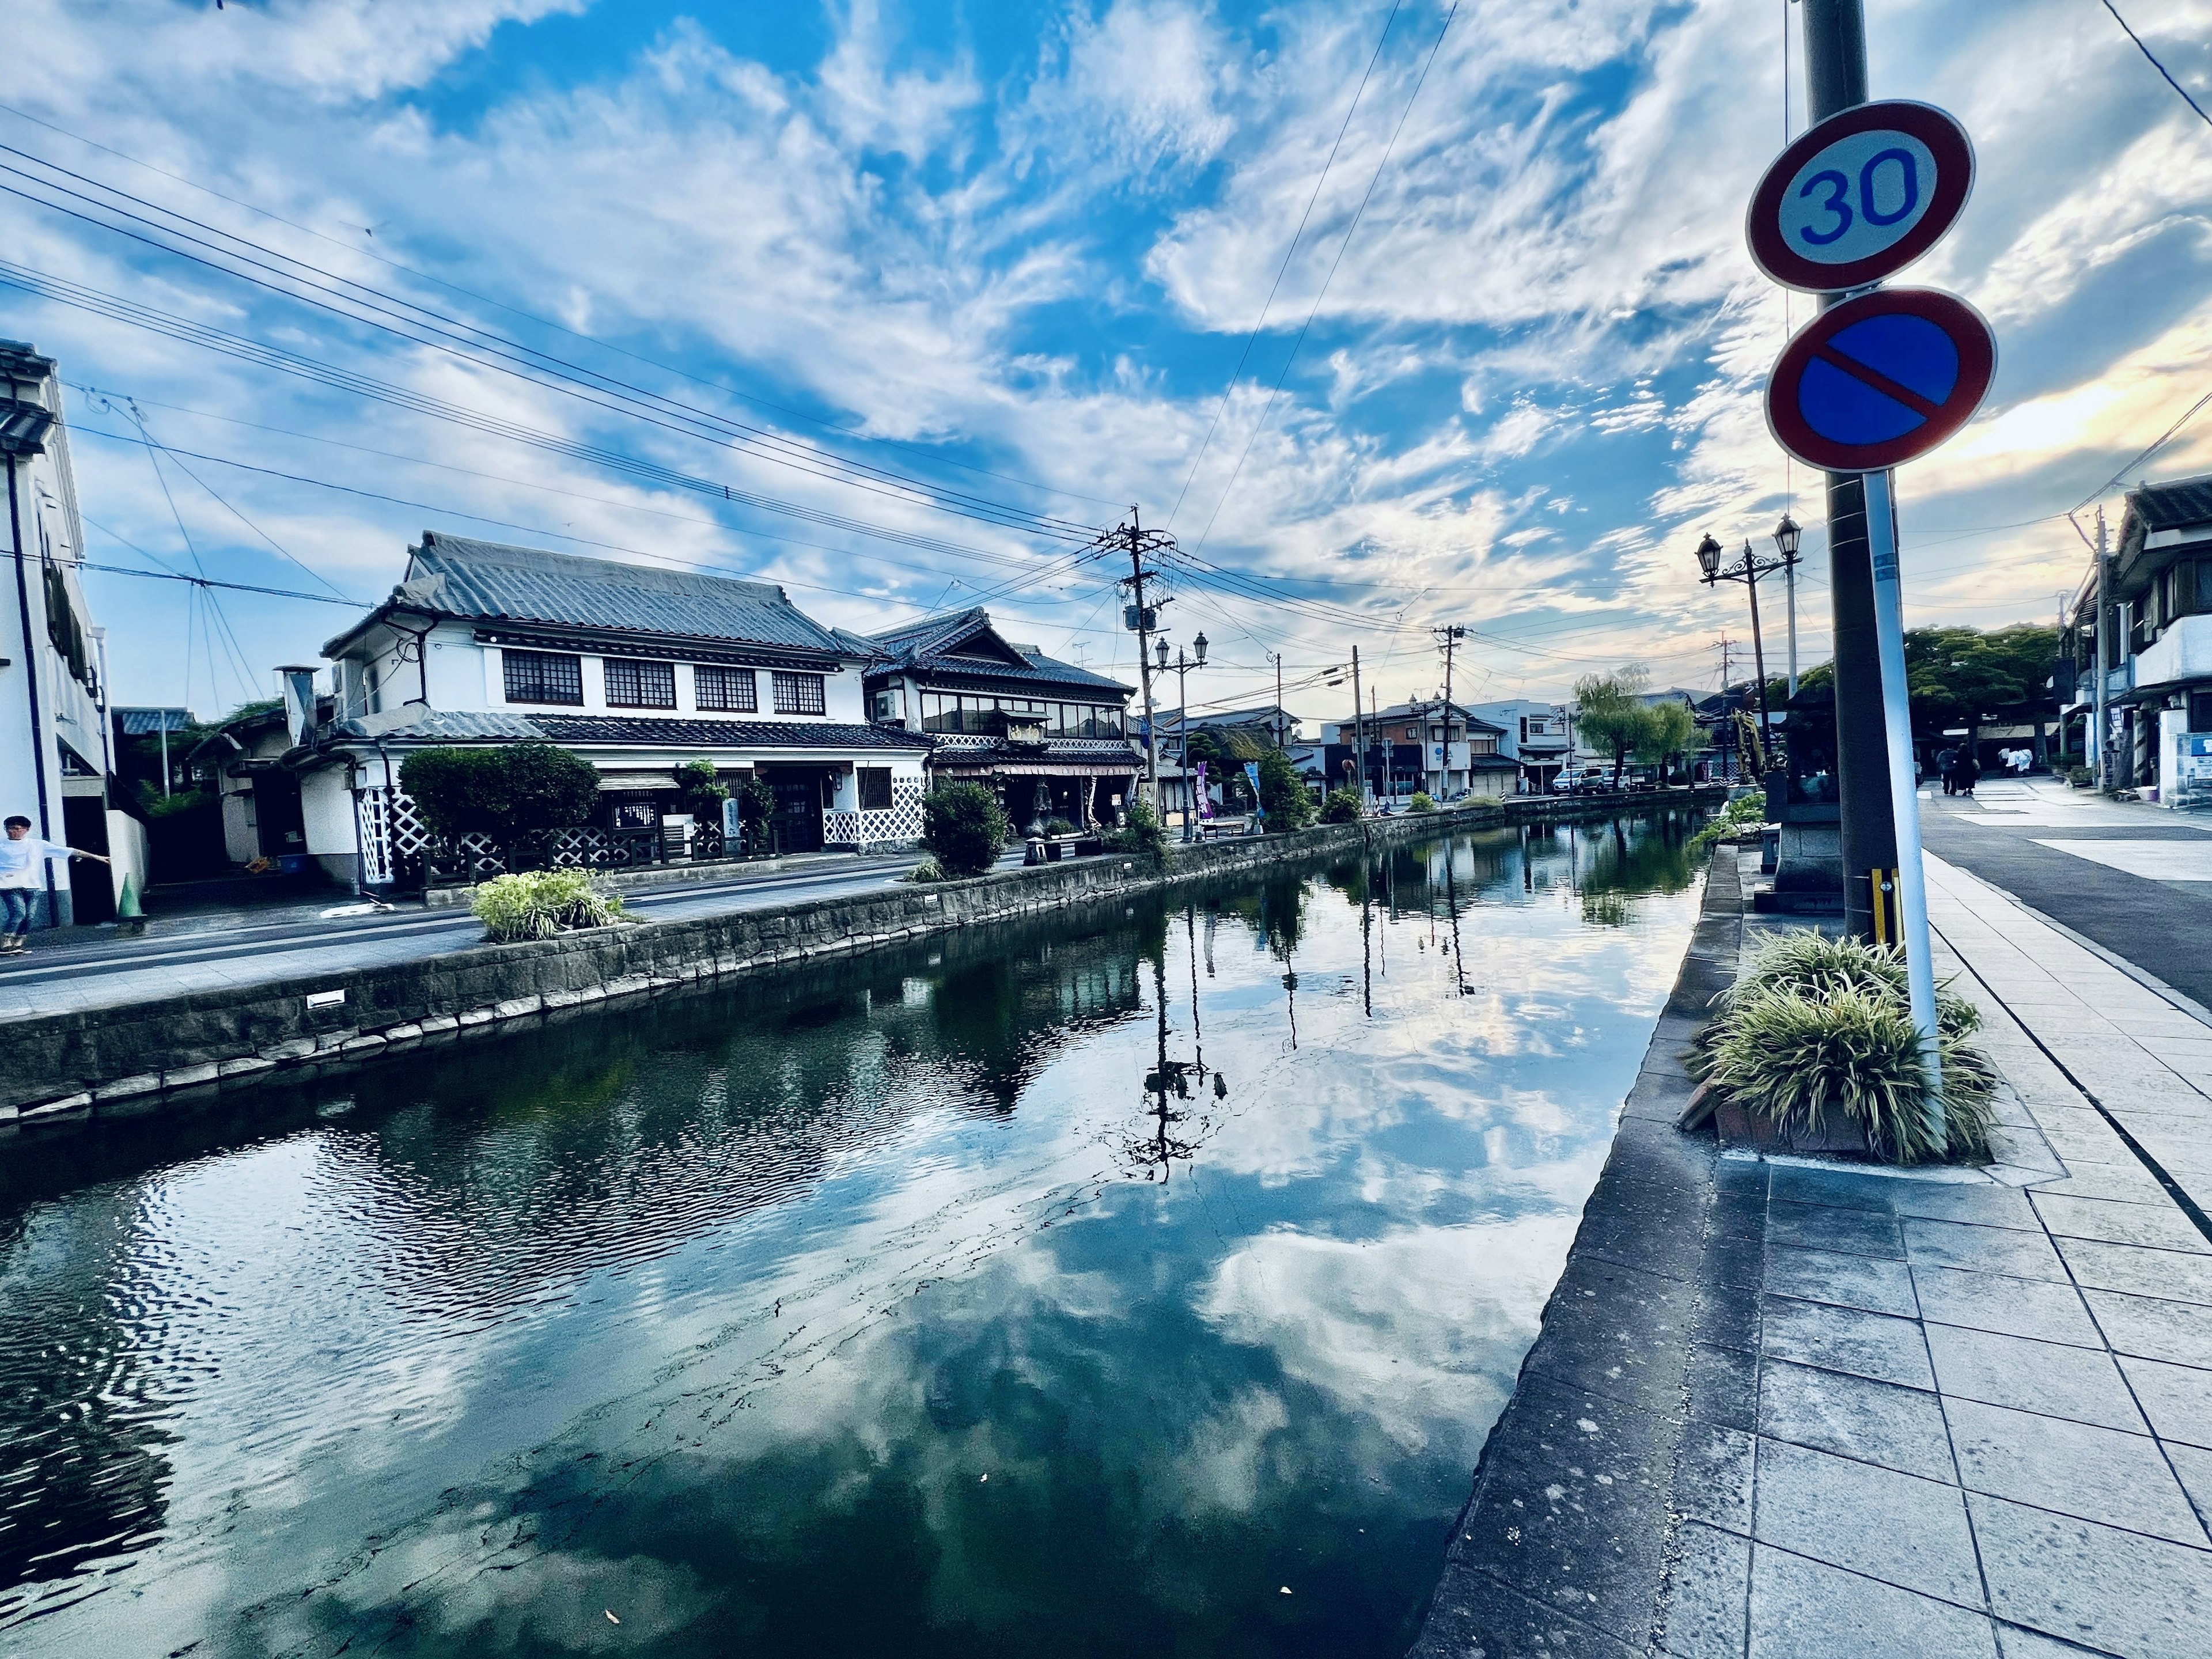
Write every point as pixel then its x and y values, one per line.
pixel 703 793
pixel 541 903
pixel 508 793
pixel 1141 835
pixel 756 806
pixel 1283 797
pixel 1819 1028
pixel 964 828
pixel 1742 815
pixel 1342 806
pixel 1058 827
pixel 1421 802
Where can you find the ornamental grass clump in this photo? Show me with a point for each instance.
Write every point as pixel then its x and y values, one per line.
pixel 540 903
pixel 1820 1030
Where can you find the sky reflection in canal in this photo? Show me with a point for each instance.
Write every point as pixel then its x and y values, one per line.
pixel 1027 1292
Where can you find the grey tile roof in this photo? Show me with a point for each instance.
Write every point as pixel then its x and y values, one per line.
pixel 491 581
pixel 926 647
pixel 2165 505
pixel 146 723
pixel 493 726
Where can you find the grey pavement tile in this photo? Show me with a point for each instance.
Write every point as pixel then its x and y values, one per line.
pixel 2136 1185
pixel 1981 1249
pixel 1984 1205
pixel 2175 1276
pixel 2095 1475
pixel 1712 1477
pixel 1793 1184
pixel 2119 1591
pixel 2017 1643
pixel 1802 1609
pixel 1825 1227
pixel 2016 1307
pixel 1848 1281
pixel 2194 1465
pixel 1854 1417
pixel 2158 1223
pixel 2178 1399
pixel 1707 1594
pixel 1902 1530
pixel 1846 1339
pixel 2156 1328
pixel 2077 1384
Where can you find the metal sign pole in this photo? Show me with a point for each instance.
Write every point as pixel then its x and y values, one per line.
pixel 1904 789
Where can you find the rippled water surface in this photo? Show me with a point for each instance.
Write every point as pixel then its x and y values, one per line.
pixel 1147 1290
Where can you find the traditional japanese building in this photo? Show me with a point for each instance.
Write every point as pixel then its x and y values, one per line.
pixel 638 670
pixel 1050 738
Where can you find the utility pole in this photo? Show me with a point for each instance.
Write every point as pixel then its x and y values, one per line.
pixel 1141 619
pixel 1358 725
pixel 2104 635
pixel 1451 634
pixel 1836 79
pixel 1282 737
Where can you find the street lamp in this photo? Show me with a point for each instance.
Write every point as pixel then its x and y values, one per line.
pixel 1747 569
pixel 1786 535
pixel 1181 668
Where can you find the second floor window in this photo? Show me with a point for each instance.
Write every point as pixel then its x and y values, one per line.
pixel 543 677
pixel 635 684
pixel 798 694
pixel 733 690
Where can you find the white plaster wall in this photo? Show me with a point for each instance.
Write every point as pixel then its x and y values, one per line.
pixel 326 807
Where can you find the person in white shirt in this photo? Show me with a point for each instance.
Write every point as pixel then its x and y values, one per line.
pixel 23 856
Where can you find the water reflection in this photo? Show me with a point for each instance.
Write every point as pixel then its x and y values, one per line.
pixel 1030 1287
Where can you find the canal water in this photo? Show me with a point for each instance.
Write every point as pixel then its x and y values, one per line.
pixel 1142 1289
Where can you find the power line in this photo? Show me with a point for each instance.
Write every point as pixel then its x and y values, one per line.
pixel 550 323
pixel 1351 231
pixel 1237 373
pixel 2160 67
pixel 497 352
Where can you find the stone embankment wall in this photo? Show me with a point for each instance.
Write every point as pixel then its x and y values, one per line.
pixel 75 1065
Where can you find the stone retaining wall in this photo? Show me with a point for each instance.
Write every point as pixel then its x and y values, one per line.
pixel 70 1066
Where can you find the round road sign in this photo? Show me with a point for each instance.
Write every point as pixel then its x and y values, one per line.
pixel 1862 194
pixel 1880 379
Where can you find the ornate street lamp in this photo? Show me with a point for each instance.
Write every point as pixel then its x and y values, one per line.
pixel 1747 569
pixel 1786 542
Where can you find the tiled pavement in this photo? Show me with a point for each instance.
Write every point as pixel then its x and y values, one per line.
pixel 1786 1412
pixel 1982 1423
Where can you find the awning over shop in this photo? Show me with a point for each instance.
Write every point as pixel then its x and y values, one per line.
pixel 1006 769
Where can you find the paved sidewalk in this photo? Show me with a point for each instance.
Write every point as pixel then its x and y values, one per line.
pixel 1970 1420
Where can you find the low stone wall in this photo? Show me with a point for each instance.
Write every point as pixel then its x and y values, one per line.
pixel 69 1066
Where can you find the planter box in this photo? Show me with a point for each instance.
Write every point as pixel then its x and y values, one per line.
pixel 1737 1127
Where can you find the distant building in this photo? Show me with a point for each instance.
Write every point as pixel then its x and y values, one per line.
pixel 1412 747
pixel 638 670
pixel 2158 652
pixel 1537 737
pixel 1241 735
pixel 55 744
pixel 1049 738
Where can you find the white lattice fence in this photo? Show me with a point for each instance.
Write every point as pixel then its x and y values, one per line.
pixel 900 825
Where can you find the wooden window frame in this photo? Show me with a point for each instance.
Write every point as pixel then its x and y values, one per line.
pixel 538 662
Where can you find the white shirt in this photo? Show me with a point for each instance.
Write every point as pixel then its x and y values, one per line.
pixel 19 859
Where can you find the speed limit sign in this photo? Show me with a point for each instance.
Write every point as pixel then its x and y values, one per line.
pixel 1859 196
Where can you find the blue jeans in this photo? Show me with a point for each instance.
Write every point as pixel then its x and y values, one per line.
pixel 16 906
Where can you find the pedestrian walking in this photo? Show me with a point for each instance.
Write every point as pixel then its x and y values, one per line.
pixel 21 858
pixel 1965 772
pixel 1947 764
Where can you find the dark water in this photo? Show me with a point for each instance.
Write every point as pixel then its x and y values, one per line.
pixel 1148 1291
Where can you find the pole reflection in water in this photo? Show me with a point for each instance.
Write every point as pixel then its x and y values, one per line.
pixel 825 1313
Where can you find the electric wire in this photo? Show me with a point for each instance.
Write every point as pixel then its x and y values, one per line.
pixel 390 314
pixel 1350 232
pixel 1237 373
pixel 546 322
pixel 2167 74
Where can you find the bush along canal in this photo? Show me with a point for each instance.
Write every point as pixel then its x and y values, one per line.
pixel 1146 1291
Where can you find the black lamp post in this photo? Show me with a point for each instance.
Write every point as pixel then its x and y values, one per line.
pixel 1747 569
pixel 1181 668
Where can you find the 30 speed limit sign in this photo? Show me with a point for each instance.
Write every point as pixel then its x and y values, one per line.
pixel 1859 196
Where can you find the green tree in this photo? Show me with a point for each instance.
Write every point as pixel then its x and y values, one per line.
pixel 1283 796
pixel 1669 730
pixel 513 793
pixel 703 791
pixel 964 828
pixel 1611 713
pixel 1342 806
pixel 1962 676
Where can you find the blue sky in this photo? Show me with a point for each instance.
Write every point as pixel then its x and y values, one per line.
pixel 1018 250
